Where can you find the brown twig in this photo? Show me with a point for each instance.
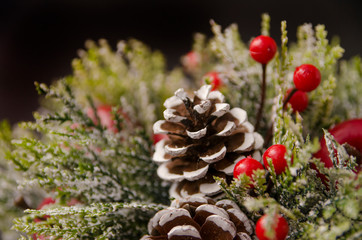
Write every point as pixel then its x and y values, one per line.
pixel 259 116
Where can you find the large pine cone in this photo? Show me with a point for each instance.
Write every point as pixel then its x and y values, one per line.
pixel 198 218
pixel 206 139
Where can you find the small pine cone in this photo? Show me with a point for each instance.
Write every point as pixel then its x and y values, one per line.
pixel 198 218
pixel 206 139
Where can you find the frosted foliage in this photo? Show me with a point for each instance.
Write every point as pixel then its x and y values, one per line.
pixel 87 162
pixel 107 170
pixel 98 221
pixel 348 102
pixel 237 69
pixel 134 73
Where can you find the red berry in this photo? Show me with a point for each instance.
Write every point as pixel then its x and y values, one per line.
pixel 214 79
pixel 299 100
pixel 158 137
pixel 346 132
pixel 280 227
pixel 248 166
pixel 306 77
pixel 277 155
pixel 262 49
pixel 46 201
pixel 191 60
pixel 104 113
pixel 106 117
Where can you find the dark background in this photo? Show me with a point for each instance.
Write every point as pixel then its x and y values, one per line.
pixel 39 38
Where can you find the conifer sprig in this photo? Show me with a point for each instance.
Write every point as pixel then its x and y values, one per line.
pixel 96 221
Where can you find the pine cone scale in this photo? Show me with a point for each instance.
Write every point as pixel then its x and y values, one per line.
pixel 218 228
pixel 164 127
pixel 227 164
pixel 185 232
pixel 214 153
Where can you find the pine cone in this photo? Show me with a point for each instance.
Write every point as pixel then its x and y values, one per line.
pixel 200 218
pixel 206 139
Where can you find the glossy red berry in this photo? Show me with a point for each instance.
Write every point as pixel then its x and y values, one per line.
pixel 262 49
pixel 306 77
pixel 346 132
pixel 277 155
pixel 280 227
pixel 248 166
pixel 214 79
pixel 299 100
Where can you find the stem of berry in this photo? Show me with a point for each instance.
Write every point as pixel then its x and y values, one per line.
pixel 269 136
pixel 294 90
pixel 259 116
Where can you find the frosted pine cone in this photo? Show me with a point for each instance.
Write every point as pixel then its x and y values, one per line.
pixel 206 139
pixel 198 218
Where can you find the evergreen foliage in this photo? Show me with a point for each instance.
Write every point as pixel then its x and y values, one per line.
pixel 102 178
pixel 8 185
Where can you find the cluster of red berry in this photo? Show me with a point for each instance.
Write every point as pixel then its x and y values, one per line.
pixel 276 154
pixel 306 77
pixel 346 132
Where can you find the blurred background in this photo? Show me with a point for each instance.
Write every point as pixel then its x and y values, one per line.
pixel 39 38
